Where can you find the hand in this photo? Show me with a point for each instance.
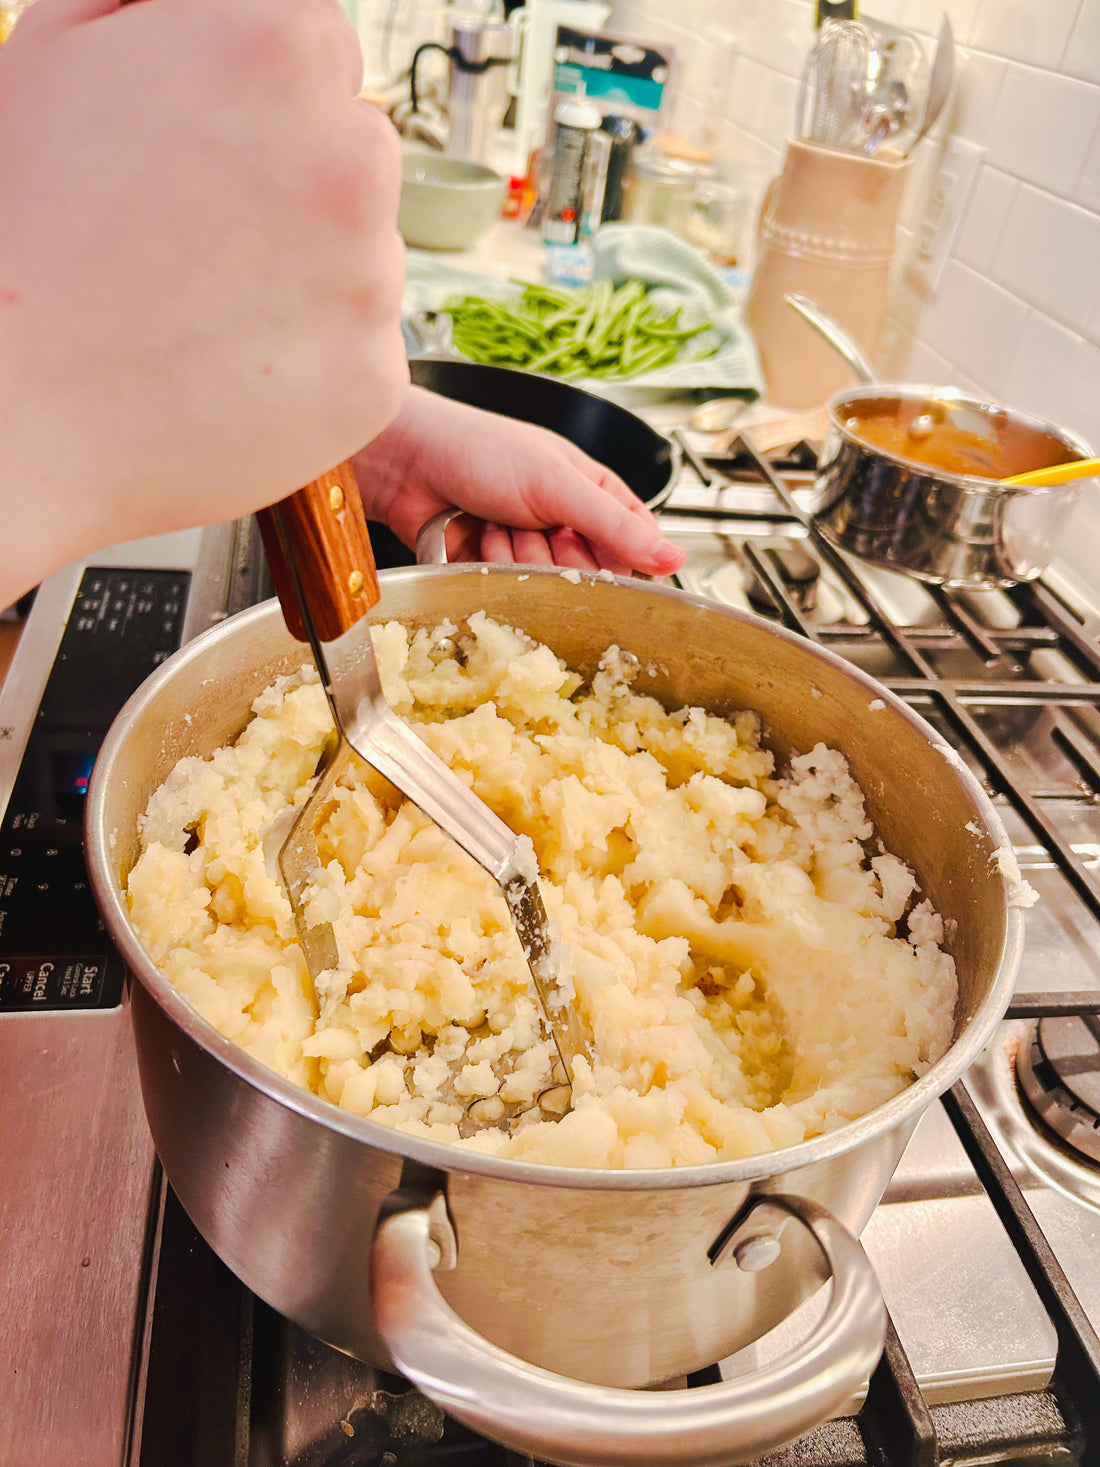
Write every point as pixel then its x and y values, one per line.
pixel 200 274
pixel 538 498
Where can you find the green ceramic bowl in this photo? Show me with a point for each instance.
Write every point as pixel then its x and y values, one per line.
pixel 447 203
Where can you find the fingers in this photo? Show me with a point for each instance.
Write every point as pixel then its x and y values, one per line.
pixel 598 513
pixel 576 490
pixel 501 546
pixel 569 549
pixel 586 529
pixel 610 482
pixel 495 545
pixel 470 539
pixel 531 547
pixel 609 562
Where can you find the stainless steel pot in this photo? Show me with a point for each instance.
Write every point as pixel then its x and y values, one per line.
pixel 527 1298
pixel 904 504
pixel 952 529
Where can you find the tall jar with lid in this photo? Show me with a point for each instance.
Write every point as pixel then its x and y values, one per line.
pixel 661 188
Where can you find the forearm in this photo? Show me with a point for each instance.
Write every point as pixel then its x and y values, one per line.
pixel 29 553
pixel 390 464
pixel 49 504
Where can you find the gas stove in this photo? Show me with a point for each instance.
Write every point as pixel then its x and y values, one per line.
pixel 125 1341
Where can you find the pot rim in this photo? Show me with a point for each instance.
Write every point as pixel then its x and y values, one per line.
pixel 908 1104
pixel 918 392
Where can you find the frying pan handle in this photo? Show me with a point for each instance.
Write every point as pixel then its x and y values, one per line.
pixel 318 547
pixel 579 1425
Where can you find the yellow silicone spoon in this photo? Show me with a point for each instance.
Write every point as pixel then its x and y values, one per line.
pixel 1077 468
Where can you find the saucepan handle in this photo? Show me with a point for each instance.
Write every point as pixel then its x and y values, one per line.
pixel 532 1410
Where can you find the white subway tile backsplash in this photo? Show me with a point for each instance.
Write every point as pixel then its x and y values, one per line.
pixel 1082 57
pixel 750 159
pixel 1035 31
pixel 743 103
pixel 1088 186
pixel 687 118
pixel 924 16
pixel 974 323
pixel 985 218
pixel 923 364
pixel 978 82
pixel 780 104
pixel 780 34
pixel 890 10
pixel 1048 254
pixel 763 100
pixel 1043 126
pixel 1056 374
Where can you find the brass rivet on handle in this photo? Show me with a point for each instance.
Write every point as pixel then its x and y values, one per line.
pixel 356 583
pixel 336 499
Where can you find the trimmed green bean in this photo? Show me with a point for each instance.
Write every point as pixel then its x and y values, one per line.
pixel 601 331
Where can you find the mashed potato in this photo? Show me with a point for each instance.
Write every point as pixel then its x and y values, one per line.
pixel 749 974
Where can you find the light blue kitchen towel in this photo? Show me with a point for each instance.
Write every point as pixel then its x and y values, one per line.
pixel 676 273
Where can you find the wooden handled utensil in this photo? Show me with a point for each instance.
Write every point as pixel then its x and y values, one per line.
pixel 320 555
pixel 322 564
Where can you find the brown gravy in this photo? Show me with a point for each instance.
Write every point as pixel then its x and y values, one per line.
pixel 962 440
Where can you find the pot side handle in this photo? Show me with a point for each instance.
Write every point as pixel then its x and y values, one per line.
pixel 431 542
pixel 577 1424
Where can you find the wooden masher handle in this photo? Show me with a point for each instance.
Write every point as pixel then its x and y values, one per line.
pixel 327 529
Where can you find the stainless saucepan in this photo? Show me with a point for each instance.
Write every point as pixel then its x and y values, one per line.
pixel 889 505
pixel 909 477
pixel 529 1300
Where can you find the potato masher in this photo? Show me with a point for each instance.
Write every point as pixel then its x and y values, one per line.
pixel 321 561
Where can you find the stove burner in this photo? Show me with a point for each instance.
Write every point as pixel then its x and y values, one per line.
pixel 1059 1071
pixel 798 572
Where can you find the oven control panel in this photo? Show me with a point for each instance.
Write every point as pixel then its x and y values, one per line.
pixel 54 950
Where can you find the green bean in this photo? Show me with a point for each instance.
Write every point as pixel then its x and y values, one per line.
pixel 602 331
pixel 659 332
pixel 548 359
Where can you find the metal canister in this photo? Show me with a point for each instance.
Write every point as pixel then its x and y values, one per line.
pixel 477 97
